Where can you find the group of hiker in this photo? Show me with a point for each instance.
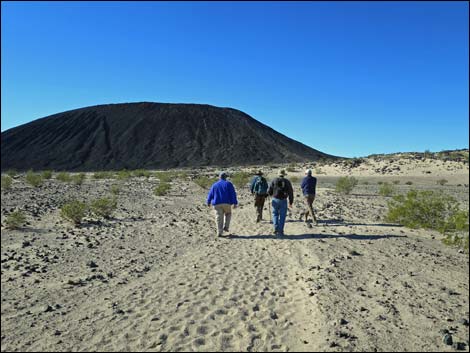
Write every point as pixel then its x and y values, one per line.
pixel 222 196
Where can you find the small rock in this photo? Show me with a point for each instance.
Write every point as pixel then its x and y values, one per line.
pixel 459 346
pixel 447 339
pixel 92 264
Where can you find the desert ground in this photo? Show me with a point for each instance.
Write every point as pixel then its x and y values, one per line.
pixel 155 277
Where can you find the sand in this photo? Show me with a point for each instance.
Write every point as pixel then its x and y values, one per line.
pixel 156 278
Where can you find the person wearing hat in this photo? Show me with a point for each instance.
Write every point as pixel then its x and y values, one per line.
pixel 309 186
pixel 281 190
pixel 259 188
pixel 222 196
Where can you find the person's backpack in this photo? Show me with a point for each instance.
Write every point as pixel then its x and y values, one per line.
pixel 281 190
pixel 261 186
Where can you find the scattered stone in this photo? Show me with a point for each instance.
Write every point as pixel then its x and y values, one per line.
pixel 92 264
pixel 447 339
pixel 459 346
pixel 343 322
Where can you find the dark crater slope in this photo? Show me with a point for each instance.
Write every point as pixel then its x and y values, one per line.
pixel 147 135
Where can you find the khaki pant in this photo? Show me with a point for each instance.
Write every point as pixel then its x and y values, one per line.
pixel 309 201
pixel 221 210
pixel 259 204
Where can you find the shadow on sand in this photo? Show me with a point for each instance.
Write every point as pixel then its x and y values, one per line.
pixel 315 236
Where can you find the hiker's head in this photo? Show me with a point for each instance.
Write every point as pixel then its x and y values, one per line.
pixel 282 173
pixel 308 172
pixel 259 172
pixel 223 175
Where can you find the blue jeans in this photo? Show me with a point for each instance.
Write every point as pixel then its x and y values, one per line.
pixel 279 214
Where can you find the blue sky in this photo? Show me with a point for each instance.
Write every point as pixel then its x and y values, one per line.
pixel 346 78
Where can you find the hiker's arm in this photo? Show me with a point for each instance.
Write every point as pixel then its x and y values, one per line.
pixel 233 195
pixel 252 186
pixel 271 188
pixel 290 191
pixel 210 196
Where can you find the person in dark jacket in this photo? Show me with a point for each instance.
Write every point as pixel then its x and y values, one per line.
pixel 222 196
pixel 280 189
pixel 309 186
pixel 259 188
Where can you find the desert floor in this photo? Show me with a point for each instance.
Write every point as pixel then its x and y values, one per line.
pixel 156 278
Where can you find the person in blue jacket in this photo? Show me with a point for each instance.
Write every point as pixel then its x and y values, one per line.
pixel 309 187
pixel 222 196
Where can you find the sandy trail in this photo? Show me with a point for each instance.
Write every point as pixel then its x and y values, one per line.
pixel 164 282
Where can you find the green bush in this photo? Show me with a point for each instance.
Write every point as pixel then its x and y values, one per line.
pixel 409 183
pixel 386 189
pixel 345 185
pixel 162 189
pixel 34 179
pixel 104 207
pixel 166 177
pixel 458 240
pixel 240 179
pixel 6 182
pixel 47 174
pixel 427 209
pixel 141 173
pixel 74 211
pixel 64 177
pixel 78 178
pixel 115 190
pixel 103 175
pixel 205 182
pixel 124 174
pixel 396 182
pixel 442 182
pixel 12 173
pixel 15 220
pixel 295 180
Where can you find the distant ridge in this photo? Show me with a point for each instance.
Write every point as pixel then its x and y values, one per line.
pixel 147 135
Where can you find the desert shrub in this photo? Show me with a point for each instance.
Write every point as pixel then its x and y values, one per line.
pixel 295 179
pixel 46 174
pixel 74 211
pixel 205 182
pixel 104 207
pixel 291 169
pixel 409 183
pixel 365 183
pixel 166 177
pixel 318 171
pixel 380 182
pixel 240 179
pixel 427 209
pixel 12 173
pixel 386 189
pixel 103 175
pixel 33 179
pixel 64 177
pixel 15 220
pixel 78 178
pixel 124 174
pixel 345 185
pixel 141 173
pixel 115 190
pixel 6 182
pixel 442 182
pixel 162 189
pixel 396 182
pixel 458 240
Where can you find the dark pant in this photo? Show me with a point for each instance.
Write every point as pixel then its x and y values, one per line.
pixel 309 201
pixel 259 204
